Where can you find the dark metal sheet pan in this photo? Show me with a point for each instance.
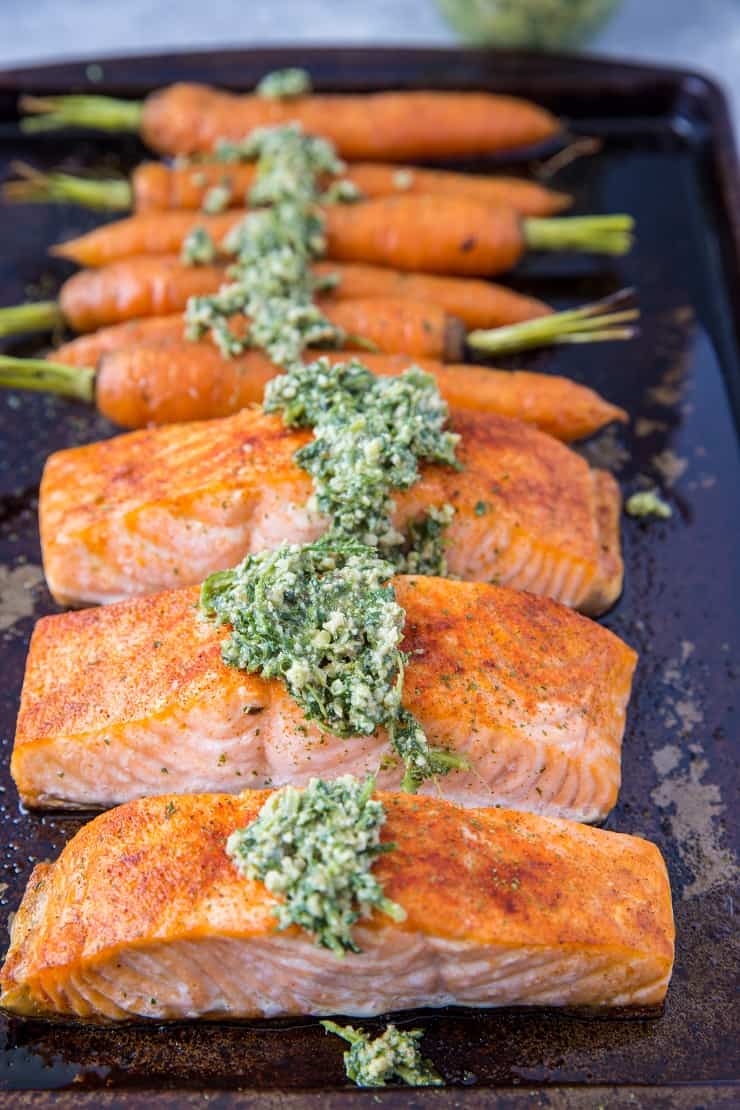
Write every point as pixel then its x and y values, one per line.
pixel 668 158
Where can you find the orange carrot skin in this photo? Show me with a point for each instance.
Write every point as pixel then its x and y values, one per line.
pixel 479 304
pixel 158 186
pixel 441 235
pixel 393 126
pixel 147 285
pixel 528 198
pixel 396 325
pixel 155 285
pixel 184 382
pixel 419 330
pixel 150 233
pixel 87 350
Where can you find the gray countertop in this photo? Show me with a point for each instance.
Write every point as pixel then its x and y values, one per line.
pixel 699 34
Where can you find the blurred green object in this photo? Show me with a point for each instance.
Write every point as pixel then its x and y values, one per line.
pixel 542 24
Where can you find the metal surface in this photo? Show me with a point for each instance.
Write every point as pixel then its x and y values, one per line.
pixel 668 159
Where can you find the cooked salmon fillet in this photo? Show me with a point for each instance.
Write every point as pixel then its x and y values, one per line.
pixel 164 507
pixel 145 916
pixel 134 699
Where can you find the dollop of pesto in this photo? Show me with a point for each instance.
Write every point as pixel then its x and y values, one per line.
pixel 284 84
pixel 324 619
pixel 647 503
pixel 198 248
pixel 272 281
pixel 316 849
pixel 392 1057
pixel 217 198
pixel 370 435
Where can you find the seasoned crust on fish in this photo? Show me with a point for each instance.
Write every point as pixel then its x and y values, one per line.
pixel 134 699
pixel 164 507
pixel 145 916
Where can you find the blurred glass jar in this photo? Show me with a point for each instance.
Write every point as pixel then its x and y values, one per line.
pixel 541 24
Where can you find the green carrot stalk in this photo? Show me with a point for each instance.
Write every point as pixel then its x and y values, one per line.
pixel 40 316
pixel 593 323
pixel 103 113
pixel 592 234
pixel 47 377
pixel 33 186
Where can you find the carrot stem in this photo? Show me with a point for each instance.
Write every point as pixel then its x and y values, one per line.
pixel 47 377
pixel 40 316
pixel 595 234
pixel 33 186
pixel 592 323
pixel 49 113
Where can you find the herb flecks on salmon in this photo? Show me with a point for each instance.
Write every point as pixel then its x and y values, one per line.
pixel 501 909
pixel 530 693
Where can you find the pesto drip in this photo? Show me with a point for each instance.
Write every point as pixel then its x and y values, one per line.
pixel 273 248
pixel 323 619
pixel 284 84
pixel 391 1057
pixel 370 435
pixel 315 848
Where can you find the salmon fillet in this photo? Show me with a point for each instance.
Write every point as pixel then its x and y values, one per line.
pixel 164 507
pixel 145 916
pixel 134 699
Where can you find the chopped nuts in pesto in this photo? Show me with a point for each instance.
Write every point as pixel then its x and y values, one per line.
pixel 198 248
pixel 218 198
pixel 283 84
pixel 647 503
pixel 342 191
pixel 369 436
pixel 316 849
pixel 390 1057
pixel 323 619
pixel 403 179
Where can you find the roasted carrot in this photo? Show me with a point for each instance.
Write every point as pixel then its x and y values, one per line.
pixel 155 285
pixel 443 235
pixel 179 382
pixel 147 285
pixel 155 185
pixel 395 126
pixel 388 324
pixel 391 324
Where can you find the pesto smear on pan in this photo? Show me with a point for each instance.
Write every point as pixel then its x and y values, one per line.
pixel 370 435
pixel 316 849
pixel 272 281
pixel 391 1057
pixel 323 619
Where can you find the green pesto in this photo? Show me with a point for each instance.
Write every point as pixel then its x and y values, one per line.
pixel 284 84
pixel 323 619
pixel 273 248
pixel 647 503
pixel 393 1056
pixel 217 199
pixel 198 248
pixel 315 848
pixel 370 434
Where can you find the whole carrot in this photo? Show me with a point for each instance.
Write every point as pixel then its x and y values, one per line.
pixel 443 235
pixel 157 186
pixel 180 382
pixel 394 325
pixel 392 126
pixel 155 285
pixel 387 324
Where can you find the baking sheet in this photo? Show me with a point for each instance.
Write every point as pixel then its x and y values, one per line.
pixel 667 158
